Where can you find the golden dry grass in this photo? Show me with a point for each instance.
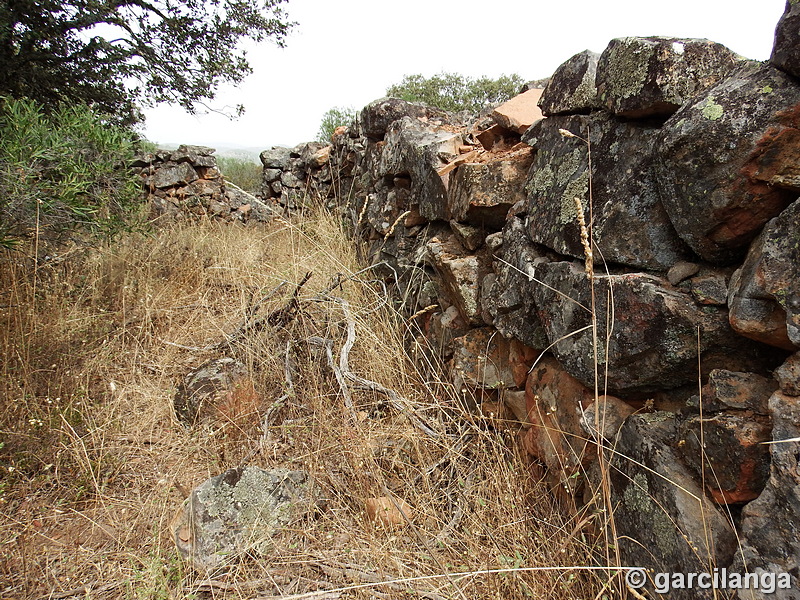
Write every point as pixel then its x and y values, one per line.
pixel 94 463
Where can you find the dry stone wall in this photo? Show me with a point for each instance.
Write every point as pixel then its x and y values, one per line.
pixel 681 163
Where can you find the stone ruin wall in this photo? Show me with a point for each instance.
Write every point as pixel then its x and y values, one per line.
pixel 692 202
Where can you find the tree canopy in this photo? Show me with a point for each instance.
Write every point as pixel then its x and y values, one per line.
pixel 454 92
pixel 118 54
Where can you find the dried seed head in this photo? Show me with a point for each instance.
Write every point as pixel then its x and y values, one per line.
pixel 566 133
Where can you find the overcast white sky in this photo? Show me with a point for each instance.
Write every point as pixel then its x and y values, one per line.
pixel 347 52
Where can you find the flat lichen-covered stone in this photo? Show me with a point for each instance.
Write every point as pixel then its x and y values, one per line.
pixel 716 165
pixel 640 77
pixel 238 511
pixel 653 343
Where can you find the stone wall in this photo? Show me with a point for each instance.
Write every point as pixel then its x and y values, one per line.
pixel 186 183
pixel 675 165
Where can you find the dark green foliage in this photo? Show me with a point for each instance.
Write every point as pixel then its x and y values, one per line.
pixel 244 173
pixel 62 170
pixel 115 54
pixel 336 117
pixel 455 93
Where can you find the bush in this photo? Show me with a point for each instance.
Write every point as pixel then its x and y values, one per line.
pixel 455 93
pixel 246 174
pixel 62 170
pixel 338 116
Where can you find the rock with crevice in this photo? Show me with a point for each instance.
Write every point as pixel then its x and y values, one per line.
pixel 205 387
pixel 664 521
pixel 764 294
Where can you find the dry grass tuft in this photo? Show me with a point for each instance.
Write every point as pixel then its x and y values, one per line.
pixel 94 464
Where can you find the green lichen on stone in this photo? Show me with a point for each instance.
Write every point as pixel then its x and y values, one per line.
pixel 577 188
pixel 638 500
pixel 767 89
pixel 711 110
pixel 630 62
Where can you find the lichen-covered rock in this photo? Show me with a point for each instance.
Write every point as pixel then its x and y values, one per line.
pixel 653 341
pixel 202 388
pixel 731 459
pixel 770 526
pixel 765 293
pixel 722 159
pixel 377 116
pixel 630 224
pixel 482 193
pixel 238 511
pixel 572 89
pixel 786 50
pixel 198 156
pixel 640 77
pixel 461 274
pixel 417 150
pixel 664 522
pixel 276 157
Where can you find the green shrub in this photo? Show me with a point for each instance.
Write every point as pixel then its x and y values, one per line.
pixel 336 117
pixel 241 172
pixel 62 170
pixel 454 92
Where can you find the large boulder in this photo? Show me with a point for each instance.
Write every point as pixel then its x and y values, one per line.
pixel 664 522
pixel 640 77
pixel 572 89
pixel 726 159
pixel 765 293
pixel 786 50
pixel 630 224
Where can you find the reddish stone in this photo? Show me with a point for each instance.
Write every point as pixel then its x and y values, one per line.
pixel 485 359
pixel 555 403
pixel 732 458
pixel 520 112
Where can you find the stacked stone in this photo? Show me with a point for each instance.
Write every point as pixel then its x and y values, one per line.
pixel 294 176
pixel 186 183
pixel 676 159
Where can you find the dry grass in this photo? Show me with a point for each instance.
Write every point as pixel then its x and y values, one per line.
pixel 93 461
